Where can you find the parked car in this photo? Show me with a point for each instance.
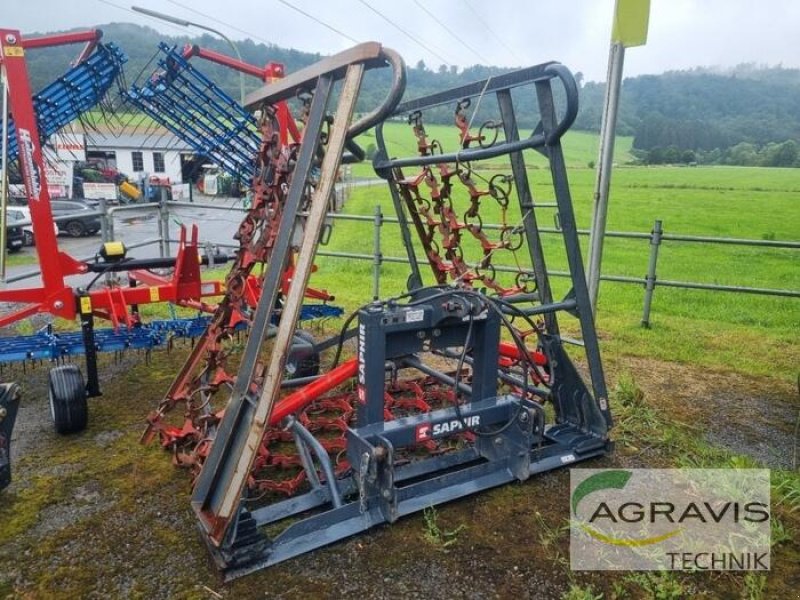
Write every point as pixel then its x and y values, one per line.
pixel 15 238
pixel 23 213
pixel 80 224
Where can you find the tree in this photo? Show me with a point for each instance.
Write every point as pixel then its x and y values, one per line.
pixel 421 66
pixel 785 154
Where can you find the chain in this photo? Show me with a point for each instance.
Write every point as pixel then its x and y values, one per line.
pixel 442 229
pixel 205 372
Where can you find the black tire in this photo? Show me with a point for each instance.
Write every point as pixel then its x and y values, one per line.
pixel 14 249
pixel 29 239
pixel 68 405
pixel 303 360
pixel 75 229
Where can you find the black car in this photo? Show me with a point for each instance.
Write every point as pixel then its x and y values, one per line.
pixel 79 225
pixel 15 238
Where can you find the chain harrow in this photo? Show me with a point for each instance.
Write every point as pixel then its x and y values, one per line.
pixel 442 227
pixel 206 370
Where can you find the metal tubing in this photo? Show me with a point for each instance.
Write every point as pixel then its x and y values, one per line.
pixel 322 457
pixel 29 274
pixel 104 221
pixel 301 398
pixel 650 279
pixel 543 309
pixel 527 211
pixel 414 362
pixel 356 256
pixel 178 204
pixel 605 161
pixel 729 288
pixel 219 485
pixel 104 233
pixel 163 227
pixel 566 213
pixel 376 248
pixel 4 176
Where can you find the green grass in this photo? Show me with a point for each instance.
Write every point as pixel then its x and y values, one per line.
pixel 580 147
pixel 27 256
pixel 750 333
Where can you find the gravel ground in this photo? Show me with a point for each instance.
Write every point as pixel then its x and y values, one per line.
pixel 97 515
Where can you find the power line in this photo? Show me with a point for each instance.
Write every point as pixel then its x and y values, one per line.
pixel 413 38
pixel 217 20
pixel 452 33
pixel 316 20
pixel 500 40
pixel 175 27
pixel 254 36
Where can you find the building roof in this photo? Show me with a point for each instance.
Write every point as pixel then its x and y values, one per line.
pixel 158 140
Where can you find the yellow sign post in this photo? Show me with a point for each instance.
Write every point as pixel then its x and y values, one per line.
pixel 631 19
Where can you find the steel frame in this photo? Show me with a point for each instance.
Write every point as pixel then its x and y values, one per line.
pixel 377 490
pixel 546 139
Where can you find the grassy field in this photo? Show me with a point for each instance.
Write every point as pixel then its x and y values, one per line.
pixel 702 327
pixel 580 147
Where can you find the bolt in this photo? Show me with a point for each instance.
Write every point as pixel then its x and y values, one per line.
pixel 3 413
pixel 11 39
pixel 498 441
pixel 437 332
pixel 523 417
pixel 58 305
pixel 387 494
pixel 421 335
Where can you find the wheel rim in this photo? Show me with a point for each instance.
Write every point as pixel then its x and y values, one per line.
pixel 75 229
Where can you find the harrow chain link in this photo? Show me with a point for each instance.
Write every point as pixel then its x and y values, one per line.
pixel 438 223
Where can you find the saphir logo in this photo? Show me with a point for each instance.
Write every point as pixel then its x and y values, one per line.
pixel 670 519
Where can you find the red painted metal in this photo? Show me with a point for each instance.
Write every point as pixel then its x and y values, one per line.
pixel 305 395
pixel 510 350
pixel 54 296
pixel 61 39
pixel 31 161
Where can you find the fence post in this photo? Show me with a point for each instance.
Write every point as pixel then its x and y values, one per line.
pixel 163 225
pixel 650 279
pixel 377 260
pixel 105 234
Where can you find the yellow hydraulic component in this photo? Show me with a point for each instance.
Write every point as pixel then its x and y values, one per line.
pixel 113 251
pixel 130 190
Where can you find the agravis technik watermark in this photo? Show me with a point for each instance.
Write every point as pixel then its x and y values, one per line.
pixel 673 519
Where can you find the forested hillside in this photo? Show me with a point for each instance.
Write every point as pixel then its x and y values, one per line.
pixel 748 115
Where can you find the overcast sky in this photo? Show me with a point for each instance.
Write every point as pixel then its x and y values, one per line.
pixel 683 33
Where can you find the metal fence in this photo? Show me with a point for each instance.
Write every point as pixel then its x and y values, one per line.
pixel 650 281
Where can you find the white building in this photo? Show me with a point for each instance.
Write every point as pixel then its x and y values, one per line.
pixel 138 156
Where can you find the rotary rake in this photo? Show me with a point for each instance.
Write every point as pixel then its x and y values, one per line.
pixel 456 386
